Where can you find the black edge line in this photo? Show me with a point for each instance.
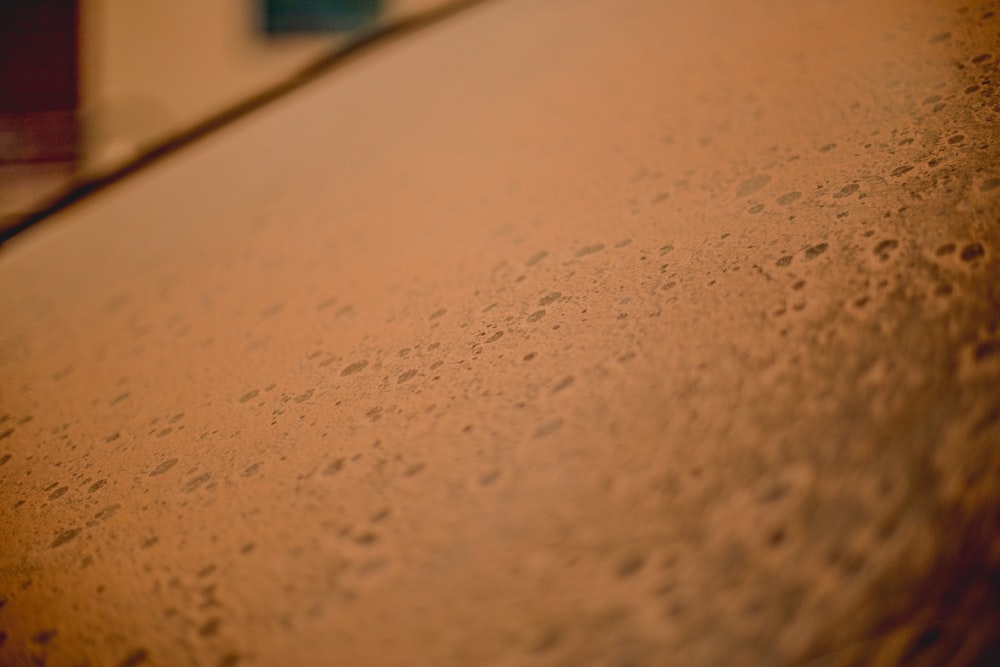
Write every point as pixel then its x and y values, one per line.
pixel 361 43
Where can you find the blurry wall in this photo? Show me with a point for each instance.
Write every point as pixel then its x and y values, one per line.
pixel 136 73
pixel 149 70
pixel 152 69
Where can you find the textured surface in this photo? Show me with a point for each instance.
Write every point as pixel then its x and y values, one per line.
pixel 591 332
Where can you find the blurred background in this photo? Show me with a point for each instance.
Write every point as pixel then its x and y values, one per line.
pixel 87 86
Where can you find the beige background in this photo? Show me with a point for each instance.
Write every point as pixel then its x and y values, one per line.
pixel 152 69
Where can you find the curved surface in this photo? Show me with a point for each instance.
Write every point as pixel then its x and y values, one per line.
pixel 603 332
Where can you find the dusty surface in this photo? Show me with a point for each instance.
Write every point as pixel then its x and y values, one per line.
pixel 590 332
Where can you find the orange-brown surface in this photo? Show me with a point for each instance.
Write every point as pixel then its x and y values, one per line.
pixel 590 332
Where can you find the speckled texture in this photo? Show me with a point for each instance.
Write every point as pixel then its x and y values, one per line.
pixel 584 332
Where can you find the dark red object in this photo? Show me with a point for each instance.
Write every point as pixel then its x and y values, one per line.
pixel 39 80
